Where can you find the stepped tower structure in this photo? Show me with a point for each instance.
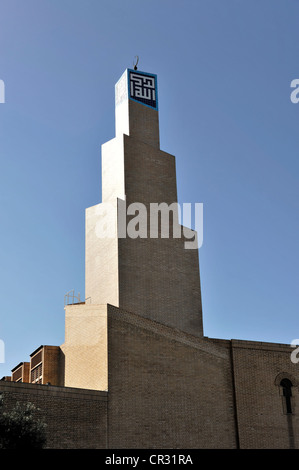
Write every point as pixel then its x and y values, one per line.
pixel 155 277
pixel 129 264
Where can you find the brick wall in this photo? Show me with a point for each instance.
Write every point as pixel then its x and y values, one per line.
pixel 85 346
pixel 262 421
pixel 170 389
pixel 167 389
pixel 76 419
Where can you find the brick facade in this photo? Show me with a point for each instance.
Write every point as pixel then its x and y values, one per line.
pixel 170 389
pixel 262 419
pixel 167 389
pixel 75 418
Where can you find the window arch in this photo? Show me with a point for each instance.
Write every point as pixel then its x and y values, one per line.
pixel 287 385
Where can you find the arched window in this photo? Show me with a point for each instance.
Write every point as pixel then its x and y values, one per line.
pixel 286 385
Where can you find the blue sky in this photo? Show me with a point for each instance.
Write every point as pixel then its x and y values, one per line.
pixel 224 70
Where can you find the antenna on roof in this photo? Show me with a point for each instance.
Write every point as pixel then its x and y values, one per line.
pixel 136 63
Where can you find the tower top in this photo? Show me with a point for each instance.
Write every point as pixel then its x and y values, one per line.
pixel 136 106
pixel 137 86
pixel 142 87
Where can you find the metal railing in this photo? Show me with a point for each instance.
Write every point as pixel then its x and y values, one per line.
pixel 70 298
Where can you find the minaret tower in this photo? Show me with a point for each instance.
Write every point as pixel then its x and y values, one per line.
pixel 154 277
pixel 128 264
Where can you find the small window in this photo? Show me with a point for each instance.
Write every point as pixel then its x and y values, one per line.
pixel 286 385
